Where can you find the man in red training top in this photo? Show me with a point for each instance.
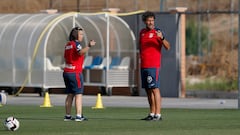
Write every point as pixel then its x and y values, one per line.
pixel 151 41
pixel 72 75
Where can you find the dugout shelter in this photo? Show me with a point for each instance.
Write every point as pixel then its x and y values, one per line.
pixel 32 47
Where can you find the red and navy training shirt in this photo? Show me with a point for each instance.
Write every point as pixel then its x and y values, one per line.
pixel 73 61
pixel 150 48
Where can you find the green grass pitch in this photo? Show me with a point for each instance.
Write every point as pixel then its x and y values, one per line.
pixel 122 121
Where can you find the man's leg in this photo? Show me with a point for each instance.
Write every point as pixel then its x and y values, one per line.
pixel 68 103
pixel 151 105
pixel 151 100
pixel 68 107
pixel 158 101
pixel 78 104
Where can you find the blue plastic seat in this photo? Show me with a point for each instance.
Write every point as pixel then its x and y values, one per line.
pixel 103 65
pixel 88 61
pixel 124 65
pixel 115 62
pixel 96 61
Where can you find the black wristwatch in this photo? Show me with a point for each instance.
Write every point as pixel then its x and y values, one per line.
pixel 163 38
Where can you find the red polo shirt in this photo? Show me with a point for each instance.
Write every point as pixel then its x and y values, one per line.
pixel 150 49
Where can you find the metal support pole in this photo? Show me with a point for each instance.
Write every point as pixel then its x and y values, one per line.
pixel 181 10
pixel 74 20
pixel 238 54
pixel 78 5
pixel 161 5
pixel 199 31
pixel 108 44
pixel 50 4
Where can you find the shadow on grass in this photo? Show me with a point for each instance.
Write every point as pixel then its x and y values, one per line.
pixel 89 118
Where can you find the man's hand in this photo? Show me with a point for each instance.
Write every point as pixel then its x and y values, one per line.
pixel 165 43
pixel 159 34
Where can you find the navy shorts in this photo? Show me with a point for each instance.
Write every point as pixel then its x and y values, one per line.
pixel 73 83
pixel 150 78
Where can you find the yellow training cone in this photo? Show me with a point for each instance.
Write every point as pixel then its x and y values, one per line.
pixel 46 102
pixel 99 104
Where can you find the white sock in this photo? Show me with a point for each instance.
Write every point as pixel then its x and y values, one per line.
pixel 68 115
pixel 151 114
pixel 79 115
pixel 158 115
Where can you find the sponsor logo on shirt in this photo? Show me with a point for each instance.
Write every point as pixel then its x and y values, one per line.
pixel 70 66
pixel 79 47
pixel 68 47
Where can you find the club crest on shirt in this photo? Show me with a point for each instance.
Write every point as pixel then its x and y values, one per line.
pixel 150 35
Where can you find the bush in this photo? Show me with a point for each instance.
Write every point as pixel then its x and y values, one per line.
pixel 192 38
pixel 209 84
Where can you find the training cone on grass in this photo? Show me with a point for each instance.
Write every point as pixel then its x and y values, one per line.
pixel 99 104
pixel 46 102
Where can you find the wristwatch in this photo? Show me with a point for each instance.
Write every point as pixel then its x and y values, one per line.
pixel 163 38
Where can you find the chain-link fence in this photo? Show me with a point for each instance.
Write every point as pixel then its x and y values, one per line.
pixel 211 32
pixel 212 45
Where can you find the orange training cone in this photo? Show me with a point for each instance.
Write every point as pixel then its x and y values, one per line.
pixel 46 102
pixel 99 104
